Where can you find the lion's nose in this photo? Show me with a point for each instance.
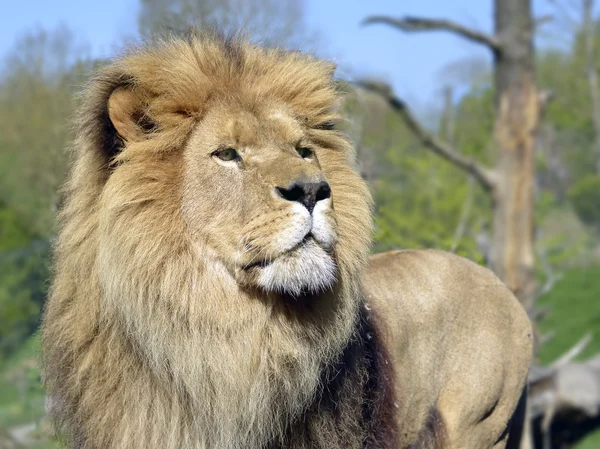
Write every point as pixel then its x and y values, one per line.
pixel 307 193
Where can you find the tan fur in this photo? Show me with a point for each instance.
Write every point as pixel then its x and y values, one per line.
pixel 455 324
pixel 188 310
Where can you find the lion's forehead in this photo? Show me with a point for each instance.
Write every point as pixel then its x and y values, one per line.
pixel 242 127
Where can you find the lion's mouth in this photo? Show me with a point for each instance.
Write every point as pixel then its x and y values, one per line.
pixel 307 267
pixel 290 252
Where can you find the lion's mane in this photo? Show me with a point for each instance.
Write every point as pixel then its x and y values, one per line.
pixel 146 344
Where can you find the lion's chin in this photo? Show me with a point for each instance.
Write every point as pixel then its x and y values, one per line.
pixel 308 269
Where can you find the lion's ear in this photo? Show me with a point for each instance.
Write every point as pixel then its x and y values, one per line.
pixel 125 110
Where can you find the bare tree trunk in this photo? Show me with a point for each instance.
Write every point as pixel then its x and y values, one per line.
pixel 517 119
pixel 518 105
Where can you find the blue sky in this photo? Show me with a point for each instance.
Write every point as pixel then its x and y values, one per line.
pixel 412 63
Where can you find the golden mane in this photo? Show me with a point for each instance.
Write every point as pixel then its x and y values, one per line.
pixel 134 297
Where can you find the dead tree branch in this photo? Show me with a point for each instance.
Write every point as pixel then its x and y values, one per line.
pixel 412 24
pixel 482 174
pixel 551 277
pixel 544 99
pixel 464 216
pixel 572 353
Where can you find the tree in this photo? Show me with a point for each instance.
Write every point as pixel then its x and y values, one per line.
pixel 36 99
pixel 585 196
pixel 269 21
pixel 585 32
pixel 23 272
pixel 518 107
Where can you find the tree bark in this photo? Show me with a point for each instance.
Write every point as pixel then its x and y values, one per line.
pixel 517 120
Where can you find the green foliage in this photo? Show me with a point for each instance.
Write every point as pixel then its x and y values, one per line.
pixel 423 201
pixel 23 276
pixel 36 92
pixel 585 197
pixel 22 395
pixel 37 84
pixel 569 113
pixel 13 234
pixel 574 311
pixel 420 206
pixel 23 272
pixel 475 124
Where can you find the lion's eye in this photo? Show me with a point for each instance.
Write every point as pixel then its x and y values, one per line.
pixel 305 152
pixel 227 154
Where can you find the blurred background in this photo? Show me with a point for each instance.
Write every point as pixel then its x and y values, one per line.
pixel 470 141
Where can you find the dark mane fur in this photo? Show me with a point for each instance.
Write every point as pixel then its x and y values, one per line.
pixel 356 401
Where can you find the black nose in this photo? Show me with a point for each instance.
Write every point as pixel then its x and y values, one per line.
pixel 305 192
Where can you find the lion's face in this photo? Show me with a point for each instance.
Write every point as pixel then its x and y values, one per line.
pixel 254 191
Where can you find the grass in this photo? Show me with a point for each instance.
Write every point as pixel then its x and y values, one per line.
pixel 21 393
pixel 575 311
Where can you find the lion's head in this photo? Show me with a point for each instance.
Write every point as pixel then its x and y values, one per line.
pixel 267 209
pixel 211 243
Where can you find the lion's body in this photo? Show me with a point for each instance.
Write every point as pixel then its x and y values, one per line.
pixel 456 325
pixel 208 275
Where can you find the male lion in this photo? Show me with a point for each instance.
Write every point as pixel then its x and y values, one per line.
pixel 208 285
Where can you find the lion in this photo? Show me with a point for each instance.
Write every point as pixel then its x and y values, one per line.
pixel 213 287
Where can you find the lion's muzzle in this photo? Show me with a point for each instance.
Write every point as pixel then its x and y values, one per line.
pixel 291 251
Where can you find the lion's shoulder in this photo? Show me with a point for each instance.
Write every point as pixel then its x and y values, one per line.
pixel 445 291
